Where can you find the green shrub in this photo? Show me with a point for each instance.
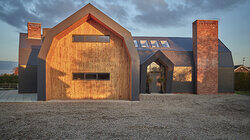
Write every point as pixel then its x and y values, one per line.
pixel 242 81
pixel 8 78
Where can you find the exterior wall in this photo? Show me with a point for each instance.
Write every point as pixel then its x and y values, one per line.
pixel 183 80
pixel 34 30
pixel 205 46
pixel 66 57
pixel 28 79
pixel 226 80
pixel 27 64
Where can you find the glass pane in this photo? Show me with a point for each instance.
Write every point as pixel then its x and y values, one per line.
pixel 103 76
pixel 135 42
pixel 103 39
pixel 78 38
pixel 90 38
pixel 90 76
pixel 144 43
pixel 153 67
pixel 164 43
pixel 154 43
pixel 78 76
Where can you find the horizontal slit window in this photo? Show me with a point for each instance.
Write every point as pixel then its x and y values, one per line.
pixel 90 38
pixel 103 39
pixel 91 76
pixel 78 76
pixel 103 76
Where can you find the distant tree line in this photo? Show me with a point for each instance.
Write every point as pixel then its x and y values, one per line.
pixel 8 78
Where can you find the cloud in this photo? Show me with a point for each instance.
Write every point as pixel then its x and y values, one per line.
pixel 159 13
pixel 114 9
pixel 18 12
pixel 129 13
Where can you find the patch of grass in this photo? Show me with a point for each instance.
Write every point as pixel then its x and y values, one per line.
pixel 243 92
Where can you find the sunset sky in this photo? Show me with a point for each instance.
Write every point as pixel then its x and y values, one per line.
pixel 168 18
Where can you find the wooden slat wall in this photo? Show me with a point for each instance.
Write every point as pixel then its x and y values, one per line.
pixel 69 57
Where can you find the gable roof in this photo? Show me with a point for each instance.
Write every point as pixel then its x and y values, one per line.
pixel 179 43
pixel 82 15
pixel 236 67
pixel 158 55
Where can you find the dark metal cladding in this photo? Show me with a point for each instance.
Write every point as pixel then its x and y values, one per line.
pixel 28 52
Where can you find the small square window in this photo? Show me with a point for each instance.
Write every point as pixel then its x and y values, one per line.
pixel 90 76
pixel 165 44
pixel 135 43
pixel 103 76
pixel 144 43
pixel 154 43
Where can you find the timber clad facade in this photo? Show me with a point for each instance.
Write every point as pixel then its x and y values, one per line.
pixel 90 56
pixel 68 57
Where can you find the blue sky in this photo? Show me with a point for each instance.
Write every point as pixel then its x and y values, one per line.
pixel 170 18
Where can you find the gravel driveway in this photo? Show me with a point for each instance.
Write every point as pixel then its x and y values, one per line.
pixel 171 116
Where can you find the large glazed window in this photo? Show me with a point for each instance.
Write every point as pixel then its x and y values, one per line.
pixel 90 38
pixel 91 76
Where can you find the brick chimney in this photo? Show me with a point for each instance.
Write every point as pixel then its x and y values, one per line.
pixel 205 50
pixel 34 30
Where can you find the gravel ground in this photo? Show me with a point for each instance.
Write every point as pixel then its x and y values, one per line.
pixel 171 116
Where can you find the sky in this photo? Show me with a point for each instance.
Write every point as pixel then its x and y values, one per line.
pixel 167 18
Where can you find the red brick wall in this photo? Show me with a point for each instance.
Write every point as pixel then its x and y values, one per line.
pixel 34 30
pixel 205 46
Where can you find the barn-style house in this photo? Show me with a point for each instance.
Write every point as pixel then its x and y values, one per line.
pixel 90 56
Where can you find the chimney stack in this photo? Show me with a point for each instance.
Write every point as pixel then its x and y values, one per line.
pixel 205 52
pixel 34 30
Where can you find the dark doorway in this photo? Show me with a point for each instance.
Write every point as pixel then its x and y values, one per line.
pixel 156 78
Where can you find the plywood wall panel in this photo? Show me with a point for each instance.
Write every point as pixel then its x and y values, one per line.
pixel 69 57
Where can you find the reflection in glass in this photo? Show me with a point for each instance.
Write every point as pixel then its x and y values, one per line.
pixel 154 43
pixel 144 43
pixel 164 43
pixel 135 43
